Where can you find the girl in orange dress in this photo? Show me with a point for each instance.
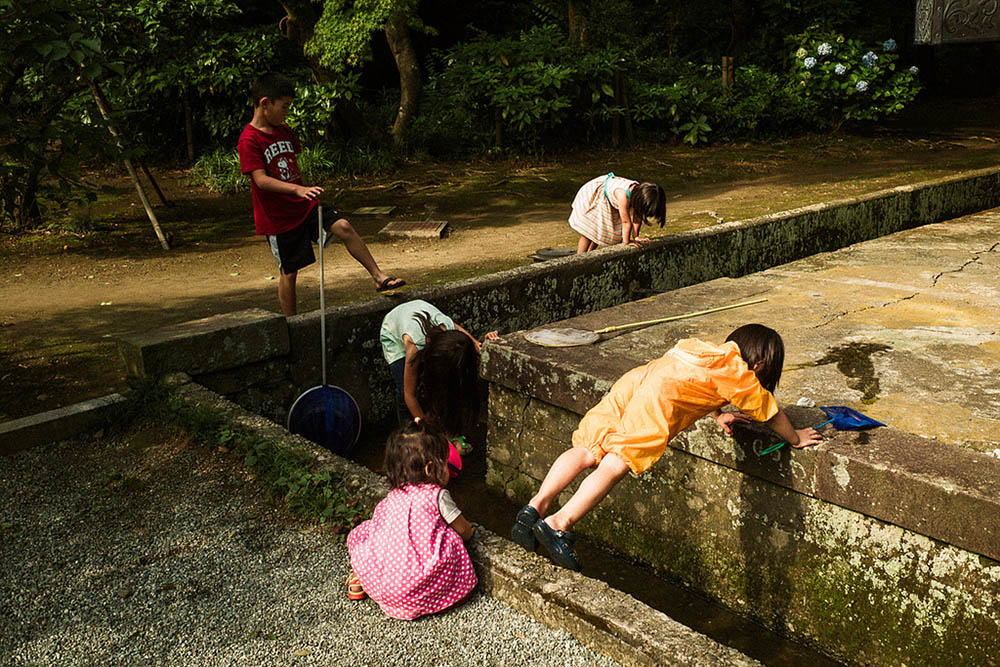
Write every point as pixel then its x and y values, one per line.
pixel 629 428
pixel 609 210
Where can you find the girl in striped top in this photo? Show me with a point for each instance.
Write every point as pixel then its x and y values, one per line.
pixel 609 210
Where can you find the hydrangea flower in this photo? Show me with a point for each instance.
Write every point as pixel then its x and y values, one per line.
pixel 869 59
pixel 824 49
pixel 801 53
pixel 914 70
pixel 862 86
pixel 809 62
pixel 839 69
pixel 889 45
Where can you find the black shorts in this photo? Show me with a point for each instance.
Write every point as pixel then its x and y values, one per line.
pixel 293 249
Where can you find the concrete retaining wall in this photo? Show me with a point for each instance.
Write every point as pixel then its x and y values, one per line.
pixel 875 548
pixel 269 376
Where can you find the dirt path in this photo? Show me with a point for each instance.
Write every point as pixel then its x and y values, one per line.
pixel 64 297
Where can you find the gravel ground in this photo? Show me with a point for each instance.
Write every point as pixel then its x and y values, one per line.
pixel 149 548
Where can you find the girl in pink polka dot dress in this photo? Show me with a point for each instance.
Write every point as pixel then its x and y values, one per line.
pixel 410 556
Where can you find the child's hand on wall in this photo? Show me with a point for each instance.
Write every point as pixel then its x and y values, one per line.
pixel 807 437
pixel 727 419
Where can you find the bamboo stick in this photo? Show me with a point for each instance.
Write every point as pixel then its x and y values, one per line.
pixel 679 317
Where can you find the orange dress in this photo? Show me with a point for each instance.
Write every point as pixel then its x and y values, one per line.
pixel 651 404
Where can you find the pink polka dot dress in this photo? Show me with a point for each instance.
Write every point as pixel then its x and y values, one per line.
pixel 408 559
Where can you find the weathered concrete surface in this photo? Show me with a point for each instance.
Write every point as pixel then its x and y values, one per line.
pixel 55 425
pixel 881 546
pixel 532 295
pixel 207 345
pixel 603 619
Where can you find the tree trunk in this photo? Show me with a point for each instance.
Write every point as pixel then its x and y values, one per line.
pixel 741 23
pixel 28 213
pixel 728 73
pixel 189 128
pixel 298 25
pixel 577 23
pixel 398 36
pixel 105 109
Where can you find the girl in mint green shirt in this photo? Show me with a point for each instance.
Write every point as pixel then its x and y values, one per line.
pixel 434 364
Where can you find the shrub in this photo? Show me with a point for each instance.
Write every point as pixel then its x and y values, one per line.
pixel 845 80
pixel 219 171
pixel 516 90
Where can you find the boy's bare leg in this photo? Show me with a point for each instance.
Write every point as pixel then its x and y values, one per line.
pixel 343 230
pixel 592 491
pixel 286 293
pixel 563 471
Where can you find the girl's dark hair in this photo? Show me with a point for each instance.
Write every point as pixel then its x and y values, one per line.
pixel 272 86
pixel 448 378
pixel 649 202
pixel 415 454
pixel 758 343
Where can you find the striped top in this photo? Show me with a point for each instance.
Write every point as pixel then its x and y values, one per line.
pixel 594 214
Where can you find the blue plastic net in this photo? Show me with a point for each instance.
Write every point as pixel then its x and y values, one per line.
pixel 846 419
pixel 328 416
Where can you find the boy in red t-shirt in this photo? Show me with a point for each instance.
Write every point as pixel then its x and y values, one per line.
pixel 284 209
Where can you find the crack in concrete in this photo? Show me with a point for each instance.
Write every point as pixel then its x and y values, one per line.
pixel 521 422
pixel 934 281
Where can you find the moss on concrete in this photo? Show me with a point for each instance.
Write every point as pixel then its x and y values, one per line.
pixel 855 587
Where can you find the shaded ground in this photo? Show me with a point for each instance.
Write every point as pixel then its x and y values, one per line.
pixel 64 296
pixel 152 547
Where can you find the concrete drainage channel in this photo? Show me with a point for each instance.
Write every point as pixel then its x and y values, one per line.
pixel 603 619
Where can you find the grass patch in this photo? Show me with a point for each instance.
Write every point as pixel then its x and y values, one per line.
pixel 288 476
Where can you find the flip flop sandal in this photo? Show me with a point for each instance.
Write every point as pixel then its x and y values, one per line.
pixel 461 445
pixel 521 532
pixel 390 283
pixel 559 545
pixel 354 589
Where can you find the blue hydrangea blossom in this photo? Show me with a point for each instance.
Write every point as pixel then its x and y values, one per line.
pixel 869 59
pixel 839 69
pixel 914 70
pixel 809 62
pixel 824 49
pixel 889 45
pixel 862 86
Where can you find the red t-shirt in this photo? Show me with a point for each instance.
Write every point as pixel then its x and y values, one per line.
pixel 273 212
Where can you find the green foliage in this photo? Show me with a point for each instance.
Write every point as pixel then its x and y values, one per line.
pixel 529 85
pixel 219 171
pixel 342 37
pixel 48 52
pixel 311 113
pixel 696 130
pixel 846 80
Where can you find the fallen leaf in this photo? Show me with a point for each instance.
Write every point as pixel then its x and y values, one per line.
pixel 105 303
pixel 269 278
pixel 90 277
pixel 235 273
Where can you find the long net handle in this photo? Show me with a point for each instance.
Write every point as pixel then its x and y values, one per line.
pixel 322 296
pixel 679 317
